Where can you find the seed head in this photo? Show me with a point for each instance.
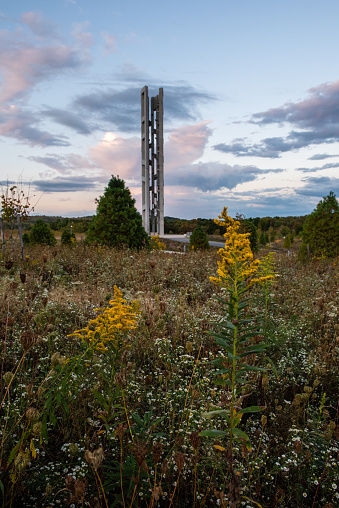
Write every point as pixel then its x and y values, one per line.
pixel 179 459
pixel 195 439
pixel 140 451
pixel 37 428
pixel 164 467
pixel 73 449
pixel 157 452
pixel 7 377
pixel 32 414
pixel 27 340
pixel 120 378
pixel 189 346
pixel 21 461
pixel 58 359
pixel 120 431
pixel 96 458
pixel 49 489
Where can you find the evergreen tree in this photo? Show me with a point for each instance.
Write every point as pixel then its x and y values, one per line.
pixel 41 234
pixel 287 242
pixel 248 226
pixel 262 239
pixel 117 222
pixel 198 240
pixel 67 238
pixel 321 228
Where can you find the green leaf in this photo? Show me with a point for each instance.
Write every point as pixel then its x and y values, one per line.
pixel 223 382
pixel 52 418
pixel 65 405
pixel 2 488
pixel 232 357
pixel 239 434
pixel 13 452
pixel 213 433
pixel 273 367
pixel 250 409
pixel 217 412
pixel 250 368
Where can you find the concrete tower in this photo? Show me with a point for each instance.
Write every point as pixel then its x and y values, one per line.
pixel 152 162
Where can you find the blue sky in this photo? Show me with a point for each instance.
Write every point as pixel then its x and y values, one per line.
pixel 251 102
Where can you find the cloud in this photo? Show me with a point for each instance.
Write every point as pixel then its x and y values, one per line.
pixel 21 125
pixel 319 186
pixel 121 107
pixel 319 168
pixel 23 64
pixel 319 111
pixel 321 156
pixel 65 165
pixel 39 25
pixel 69 119
pixel 116 155
pixel 314 120
pixel 212 176
pixel 83 38
pixel 110 43
pixel 69 184
pixel 269 147
pixel 186 144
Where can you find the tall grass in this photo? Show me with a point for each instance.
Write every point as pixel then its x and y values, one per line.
pixel 86 430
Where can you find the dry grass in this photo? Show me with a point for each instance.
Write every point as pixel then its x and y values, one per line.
pixel 141 414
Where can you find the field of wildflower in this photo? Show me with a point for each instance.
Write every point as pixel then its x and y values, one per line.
pixel 146 379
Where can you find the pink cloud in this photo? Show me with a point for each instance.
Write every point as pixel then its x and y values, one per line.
pixel 186 144
pixel 38 24
pixel 24 63
pixel 84 38
pixel 118 156
pixel 110 43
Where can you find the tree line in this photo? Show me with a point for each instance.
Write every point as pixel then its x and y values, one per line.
pixel 117 222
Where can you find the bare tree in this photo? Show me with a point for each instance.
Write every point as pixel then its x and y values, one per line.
pixel 15 208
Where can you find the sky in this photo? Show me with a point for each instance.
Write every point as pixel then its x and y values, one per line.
pixel 251 102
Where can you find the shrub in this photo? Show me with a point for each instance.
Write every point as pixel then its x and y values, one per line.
pixel 41 234
pixel 198 240
pixel 67 238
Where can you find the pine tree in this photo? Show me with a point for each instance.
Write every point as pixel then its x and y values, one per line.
pixel 41 234
pixel 117 222
pixel 321 228
pixel 67 238
pixel 262 239
pixel 198 240
pixel 248 226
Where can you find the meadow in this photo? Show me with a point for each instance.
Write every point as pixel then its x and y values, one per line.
pixel 84 423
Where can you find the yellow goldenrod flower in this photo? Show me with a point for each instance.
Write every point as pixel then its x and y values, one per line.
pixel 237 257
pixel 112 325
pixel 155 243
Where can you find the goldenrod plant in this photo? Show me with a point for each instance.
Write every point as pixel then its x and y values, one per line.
pixel 109 328
pixel 239 336
pixel 155 243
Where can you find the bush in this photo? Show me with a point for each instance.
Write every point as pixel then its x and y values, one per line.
pixel 41 234
pixel 117 222
pixel 25 238
pixel 321 228
pixel 67 238
pixel 198 240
